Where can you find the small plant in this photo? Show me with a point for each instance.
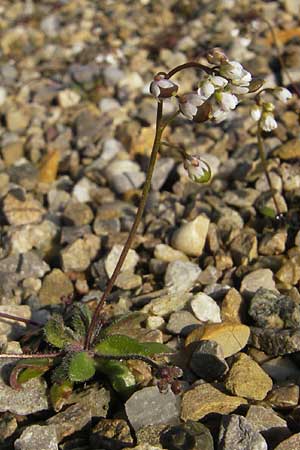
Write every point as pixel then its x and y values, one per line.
pixel 81 344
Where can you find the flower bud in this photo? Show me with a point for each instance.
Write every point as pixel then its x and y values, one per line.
pixel 162 87
pixel 282 94
pixel 268 122
pixel 256 112
pixel 216 56
pixel 197 169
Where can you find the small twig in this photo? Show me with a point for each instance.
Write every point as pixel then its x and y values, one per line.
pixel 29 355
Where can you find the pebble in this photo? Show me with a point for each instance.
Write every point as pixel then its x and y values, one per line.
pixel 12 328
pixel 70 420
pixel 157 408
pixel 181 322
pixel 284 397
pixel 167 304
pixel 233 307
pixel 20 209
pixel 112 258
pixel 272 310
pixel 281 369
pixel 238 434
pixel 2 95
pixel 30 399
pixel 243 247
pixel 232 337
pixel 190 237
pixel 128 280
pixel 291 443
pixel 37 437
pixel 18 119
pixel 110 432
pixel 275 342
pixel 76 256
pixel 205 399
pixel 207 361
pixel 166 253
pixel 68 98
pixel 273 243
pixel 268 423
pixel 181 276
pixel 78 214
pixel 289 150
pixel 247 379
pixel 205 308
pixel 55 285
pixel 257 279
pixel 124 175
pixel 38 236
pixel 12 152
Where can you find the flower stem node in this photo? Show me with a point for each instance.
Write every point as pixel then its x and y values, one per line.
pixel 162 87
pixel 197 169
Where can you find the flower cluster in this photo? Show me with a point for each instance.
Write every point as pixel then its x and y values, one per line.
pixel 263 112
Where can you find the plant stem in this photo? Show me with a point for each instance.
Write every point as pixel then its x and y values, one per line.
pixel 155 148
pixel 188 65
pixel 265 167
pixel 29 355
pixel 18 319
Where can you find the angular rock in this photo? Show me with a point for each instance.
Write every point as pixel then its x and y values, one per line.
pixel 256 279
pixel 166 253
pixel 247 379
pixel 232 337
pixel 166 304
pixel 181 276
pixel 207 361
pixel 275 342
pixel 190 237
pixel 112 258
pixel 182 322
pixel 72 419
pixel 284 397
pixel 291 443
pixel 243 248
pixel 157 408
pixel 233 307
pixel 238 434
pixel 273 243
pixel 20 209
pixel 76 257
pixel 268 423
pixel 272 310
pixel 37 437
pixel 205 399
pixel 111 432
pixel 55 285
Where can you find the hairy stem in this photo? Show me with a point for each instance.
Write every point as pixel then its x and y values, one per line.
pixel 156 144
pixel 265 167
pixel 29 355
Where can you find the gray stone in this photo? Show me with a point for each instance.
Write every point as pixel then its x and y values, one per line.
pixel 208 361
pixel 238 434
pixel 112 258
pixel 96 398
pixel 272 310
pixel 37 437
pixel 161 172
pixel 78 214
pixel 76 256
pixel 275 342
pixel 55 285
pixel 72 419
pixel 124 175
pixel 182 322
pixel 282 369
pixel 181 275
pixel 243 248
pixel 190 237
pixel 157 408
pixel 256 279
pixel 26 265
pixel 291 443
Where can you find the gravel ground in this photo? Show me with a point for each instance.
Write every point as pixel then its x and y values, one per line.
pixel 215 278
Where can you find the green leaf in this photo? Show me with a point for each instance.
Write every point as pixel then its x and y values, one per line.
pixel 268 212
pixel 125 323
pixel 118 345
pixel 27 369
pixel 81 319
pixel 120 377
pixel 82 367
pixel 59 393
pixel 57 334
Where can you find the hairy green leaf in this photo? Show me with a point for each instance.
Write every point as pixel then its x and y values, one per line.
pixel 120 377
pixel 59 393
pixel 57 334
pixel 82 367
pixel 123 324
pixel 61 372
pixel 81 319
pixel 118 345
pixel 27 369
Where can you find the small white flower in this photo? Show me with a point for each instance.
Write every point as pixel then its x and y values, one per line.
pixel 239 90
pixel 226 100
pixel 189 104
pixel 219 81
pixel 219 115
pixel 268 122
pixel 197 169
pixel 256 112
pixel 283 94
pixel 162 87
pixel 210 84
pixel 232 70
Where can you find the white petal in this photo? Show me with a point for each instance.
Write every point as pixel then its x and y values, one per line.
pixel 154 89
pixel 268 122
pixel 165 84
pixel 283 94
pixel 219 81
pixel 206 90
pixel 256 112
